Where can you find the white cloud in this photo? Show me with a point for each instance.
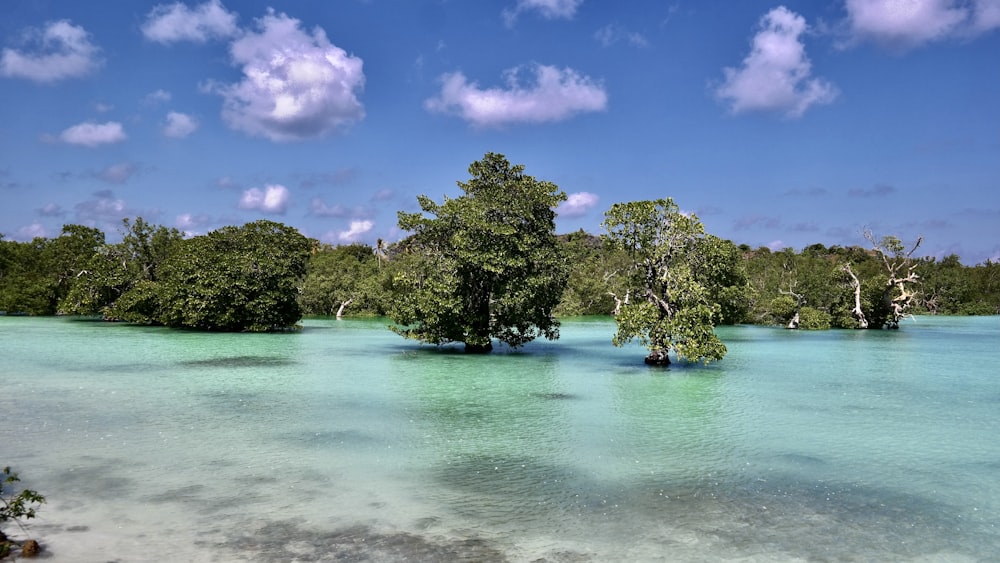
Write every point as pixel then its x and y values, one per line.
pixel 168 23
pixel 904 24
pixel 94 134
pixel 51 210
pixel 577 204
pixel 356 229
pixel 549 9
pixel 179 125
pixel 295 86
pixel 272 199
pixel 613 33
pixel 555 95
pixel 104 208
pixel 63 50
pixel 775 75
pixel 191 224
pixel 32 231
pixel 158 97
pixel 319 208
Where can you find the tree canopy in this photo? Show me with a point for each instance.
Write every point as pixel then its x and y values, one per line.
pixel 485 265
pixel 666 305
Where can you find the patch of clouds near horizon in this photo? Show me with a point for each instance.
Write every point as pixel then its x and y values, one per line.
pixel 170 23
pixel 295 86
pixel 556 95
pixel 62 50
pixel 905 24
pixel 355 230
pixel 189 223
pixel 103 208
pixel 775 76
pixel 272 199
pixel 747 222
pixel 91 134
pixel 577 204
pixel 179 125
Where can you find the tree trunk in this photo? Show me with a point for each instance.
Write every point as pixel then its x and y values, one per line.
pixel 658 357
pixel 794 323
pixel 857 312
pixel 478 348
pixel 343 305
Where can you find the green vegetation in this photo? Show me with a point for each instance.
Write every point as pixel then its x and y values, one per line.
pixel 486 265
pixel 666 304
pixel 17 508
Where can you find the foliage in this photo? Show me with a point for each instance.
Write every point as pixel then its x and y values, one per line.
pixel 117 281
pixel 345 275
pixel 594 269
pixel 672 307
pixel 232 279
pixel 814 319
pixel 485 265
pixel 17 507
pixel 35 276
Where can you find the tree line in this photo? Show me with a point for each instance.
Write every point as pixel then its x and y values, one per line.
pixel 488 266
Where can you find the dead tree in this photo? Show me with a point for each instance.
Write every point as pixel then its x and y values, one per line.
pixel 858 313
pixel 898 293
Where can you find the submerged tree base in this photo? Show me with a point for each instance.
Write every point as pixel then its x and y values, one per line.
pixel 479 348
pixel 658 358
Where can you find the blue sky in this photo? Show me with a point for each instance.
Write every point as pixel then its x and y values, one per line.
pixel 779 124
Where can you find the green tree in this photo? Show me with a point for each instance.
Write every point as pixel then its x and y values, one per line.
pixel 15 508
pixel 234 279
pixel 118 281
pixel 344 279
pixel 667 307
pixel 485 265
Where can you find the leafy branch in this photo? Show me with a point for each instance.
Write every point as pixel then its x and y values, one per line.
pixel 20 506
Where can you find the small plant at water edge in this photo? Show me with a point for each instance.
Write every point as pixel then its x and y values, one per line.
pixel 17 508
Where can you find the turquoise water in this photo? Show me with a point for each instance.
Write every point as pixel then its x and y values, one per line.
pixel 345 442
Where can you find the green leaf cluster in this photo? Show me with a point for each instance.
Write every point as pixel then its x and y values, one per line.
pixel 667 305
pixel 16 507
pixel 483 266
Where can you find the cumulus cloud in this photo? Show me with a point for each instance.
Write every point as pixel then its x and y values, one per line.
pixel 170 23
pixel 191 224
pixel 61 50
pixel 272 199
pixel 296 85
pixel 904 24
pixel 179 125
pixel 577 205
pixel 555 95
pixel 548 9
pixel 355 230
pixel 775 76
pixel 94 134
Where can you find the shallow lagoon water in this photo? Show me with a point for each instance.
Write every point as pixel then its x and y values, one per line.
pixel 345 442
